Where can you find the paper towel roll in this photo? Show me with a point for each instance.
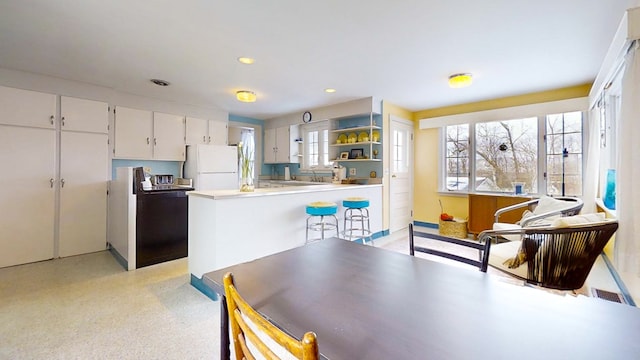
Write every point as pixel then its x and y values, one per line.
pixel 287 174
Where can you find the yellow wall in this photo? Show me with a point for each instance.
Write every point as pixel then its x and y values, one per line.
pixel 426 196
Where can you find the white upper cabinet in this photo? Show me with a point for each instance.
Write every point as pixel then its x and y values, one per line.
pixel 133 134
pixel 279 145
pixel 168 137
pixel 197 131
pixel 84 115
pixel 146 135
pixel 218 132
pixel 27 108
pixel 202 131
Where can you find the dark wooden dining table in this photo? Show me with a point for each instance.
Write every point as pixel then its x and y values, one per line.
pixel 369 303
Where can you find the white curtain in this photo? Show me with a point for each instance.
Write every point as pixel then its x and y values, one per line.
pixel 627 246
pixel 592 160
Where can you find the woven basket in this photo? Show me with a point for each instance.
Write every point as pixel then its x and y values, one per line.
pixel 455 228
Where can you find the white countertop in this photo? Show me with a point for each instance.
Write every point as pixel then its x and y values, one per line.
pixel 228 194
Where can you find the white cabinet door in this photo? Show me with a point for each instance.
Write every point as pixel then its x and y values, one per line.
pixel 133 129
pixel 218 132
pixel 27 108
pixel 196 130
pixel 168 134
pixel 84 115
pixel 83 193
pixel 27 193
pixel 283 146
pixel 269 146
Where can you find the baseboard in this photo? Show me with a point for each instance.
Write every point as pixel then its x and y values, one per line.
pixel 426 224
pixel 199 284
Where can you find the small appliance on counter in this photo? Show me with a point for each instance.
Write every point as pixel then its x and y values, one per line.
pixel 339 174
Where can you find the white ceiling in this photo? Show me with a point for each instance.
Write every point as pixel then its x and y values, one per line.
pixel 401 51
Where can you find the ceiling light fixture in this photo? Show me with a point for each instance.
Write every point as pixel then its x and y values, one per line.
pixel 246 60
pixel 245 96
pixel 160 82
pixel 460 80
pixel 329 90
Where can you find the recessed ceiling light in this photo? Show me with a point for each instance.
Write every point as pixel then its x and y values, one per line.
pixel 246 96
pixel 460 80
pixel 329 90
pixel 246 60
pixel 160 82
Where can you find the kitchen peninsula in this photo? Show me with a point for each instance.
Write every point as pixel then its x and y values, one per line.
pixel 228 227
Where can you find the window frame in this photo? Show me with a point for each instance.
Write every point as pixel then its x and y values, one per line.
pixel 541 163
pixel 323 139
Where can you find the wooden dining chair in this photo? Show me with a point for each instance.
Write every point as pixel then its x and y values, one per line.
pixel 483 248
pixel 252 333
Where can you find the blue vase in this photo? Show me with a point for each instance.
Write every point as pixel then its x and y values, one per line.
pixel 610 190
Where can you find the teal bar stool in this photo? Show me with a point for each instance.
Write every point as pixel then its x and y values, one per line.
pixel 326 212
pixel 356 214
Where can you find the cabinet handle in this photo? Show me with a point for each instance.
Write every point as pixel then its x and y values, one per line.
pixel 204 139
pixel 147 141
pixel 63 121
pixel 209 138
pixel 155 141
pixel 51 119
pixel 51 182
pixel 61 182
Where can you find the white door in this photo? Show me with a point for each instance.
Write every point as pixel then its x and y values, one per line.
pixel 401 182
pixel 27 108
pixel 283 145
pixel 84 115
pixel 168 137
pixel 269 145
pixel 196 130
pixel 83 193
pixel 218 132
pixel 27 193
pixel 133 129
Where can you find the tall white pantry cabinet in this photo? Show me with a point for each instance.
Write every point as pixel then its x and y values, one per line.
pixel 54 156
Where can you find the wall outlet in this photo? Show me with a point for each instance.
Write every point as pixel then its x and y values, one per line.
pixel 352 171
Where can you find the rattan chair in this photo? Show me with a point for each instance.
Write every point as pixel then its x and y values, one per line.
pixel 483 248
pixel 249 327
pixel 551 257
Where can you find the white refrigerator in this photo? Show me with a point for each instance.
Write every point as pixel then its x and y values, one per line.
pixel 212 167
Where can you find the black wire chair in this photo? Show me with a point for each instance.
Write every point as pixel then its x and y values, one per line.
pixel 556 258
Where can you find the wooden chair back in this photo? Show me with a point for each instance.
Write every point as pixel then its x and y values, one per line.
pixel 241 313
pixel 483 248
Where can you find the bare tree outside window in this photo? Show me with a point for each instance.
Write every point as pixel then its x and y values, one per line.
pixel 506 153
pixel 457 157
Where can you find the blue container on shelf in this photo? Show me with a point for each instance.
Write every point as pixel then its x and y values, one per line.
pixel 610 190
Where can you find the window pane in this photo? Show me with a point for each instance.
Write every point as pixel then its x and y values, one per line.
pixel 506 152
pixel 573 143
pixel 457 157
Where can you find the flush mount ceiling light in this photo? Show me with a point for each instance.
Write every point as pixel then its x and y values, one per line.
pixel 160 82
pixel 460 80
pixel 330 90
pixel 246 60
pixel 245 96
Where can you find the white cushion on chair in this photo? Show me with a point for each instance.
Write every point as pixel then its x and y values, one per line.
pixel 583 219
pixel 504 251
pixel 507 226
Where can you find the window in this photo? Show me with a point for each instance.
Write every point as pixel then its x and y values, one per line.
pixel 506 153
pixel 514 151
pixel 457 157
pixel 564 154
pixel 316 146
